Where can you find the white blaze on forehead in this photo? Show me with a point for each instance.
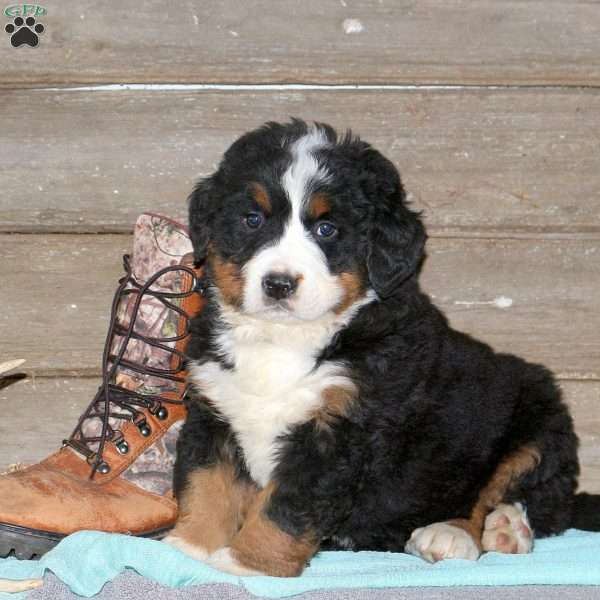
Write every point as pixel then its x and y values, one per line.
pixel 296 253
pixel 304 169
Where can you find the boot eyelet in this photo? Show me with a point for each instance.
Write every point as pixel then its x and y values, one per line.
pixel 144 428
pixel 199 286
pixel 103 468
pixel 123 447
pixel 162 413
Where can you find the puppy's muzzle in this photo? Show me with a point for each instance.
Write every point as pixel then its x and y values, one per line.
pixel 279 286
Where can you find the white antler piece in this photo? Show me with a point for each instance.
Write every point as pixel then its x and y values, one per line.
pixel 10 365
pixel 22 585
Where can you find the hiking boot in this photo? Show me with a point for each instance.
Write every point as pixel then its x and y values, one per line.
pixel 114 473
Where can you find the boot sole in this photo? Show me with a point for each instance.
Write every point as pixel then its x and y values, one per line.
pixel 25 543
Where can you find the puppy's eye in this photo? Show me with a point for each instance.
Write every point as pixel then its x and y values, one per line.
pixel 254 220
pixel 325 229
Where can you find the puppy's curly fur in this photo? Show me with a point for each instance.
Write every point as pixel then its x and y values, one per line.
pixel 370 418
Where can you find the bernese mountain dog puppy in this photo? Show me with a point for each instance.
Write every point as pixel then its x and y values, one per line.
pixel 331 405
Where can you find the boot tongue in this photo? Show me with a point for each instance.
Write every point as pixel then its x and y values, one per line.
pixel 158 243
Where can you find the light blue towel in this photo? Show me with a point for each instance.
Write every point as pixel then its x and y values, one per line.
pixel 85 561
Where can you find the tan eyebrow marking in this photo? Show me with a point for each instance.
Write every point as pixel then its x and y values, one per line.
pixel 261 196
pixel 319 205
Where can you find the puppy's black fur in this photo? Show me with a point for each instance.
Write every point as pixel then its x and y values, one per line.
pixel 437 410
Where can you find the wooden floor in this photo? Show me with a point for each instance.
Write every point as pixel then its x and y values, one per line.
pixel 491 110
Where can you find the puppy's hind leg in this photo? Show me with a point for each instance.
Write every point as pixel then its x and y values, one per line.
pixel 464 538
pixel 547 492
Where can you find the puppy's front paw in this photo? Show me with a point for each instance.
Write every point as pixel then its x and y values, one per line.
pixel 223 560
pixel 195 551
pixel 442 540
pixel 507 530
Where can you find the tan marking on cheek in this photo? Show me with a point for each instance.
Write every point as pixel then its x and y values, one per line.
pixel 262 197
pixel 212 507
pixel 337 402
pixel 228 278
pixel 262 546
pixel 319 205
pixel 354 289
pixel 509 471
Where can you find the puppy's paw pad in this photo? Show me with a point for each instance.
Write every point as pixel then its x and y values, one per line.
pixel 442 540
pixel 195 551
pixel 507 530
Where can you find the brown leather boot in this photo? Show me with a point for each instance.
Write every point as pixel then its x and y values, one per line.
pixel 114 472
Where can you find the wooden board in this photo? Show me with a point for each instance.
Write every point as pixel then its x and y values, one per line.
pixel 56 305
pixel 43 411
pixel 480 163
pixel 584 400
pixel 39 413
pixel 536 298
pixel 369 42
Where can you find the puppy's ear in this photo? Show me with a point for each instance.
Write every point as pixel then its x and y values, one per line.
pixel 201 209
pixel 396 237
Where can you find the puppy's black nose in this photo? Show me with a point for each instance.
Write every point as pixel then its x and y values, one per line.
pixel 279 285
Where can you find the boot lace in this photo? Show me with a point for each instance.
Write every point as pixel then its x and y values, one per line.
pixel 114 402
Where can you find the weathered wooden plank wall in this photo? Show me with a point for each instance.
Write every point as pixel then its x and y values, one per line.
pixel 501 290
pixel 36 402
pixel 490 109
pixel 478 162
pixel 370 42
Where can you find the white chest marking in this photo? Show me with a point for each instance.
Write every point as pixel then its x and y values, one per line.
pixel 274 384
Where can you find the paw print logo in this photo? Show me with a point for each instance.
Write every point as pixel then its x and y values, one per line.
pixel 24 32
